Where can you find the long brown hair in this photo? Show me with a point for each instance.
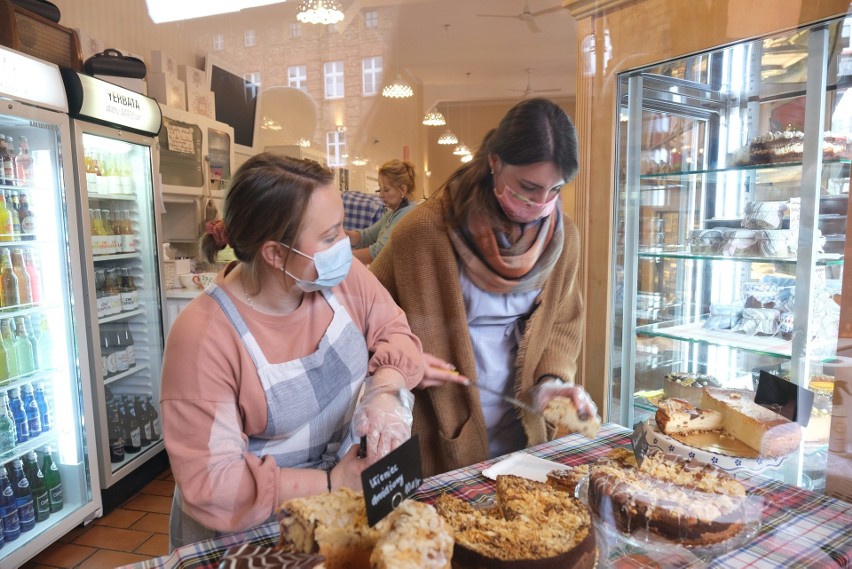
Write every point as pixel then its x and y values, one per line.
pixel 399 173
pixel 534 130
pixel 266 202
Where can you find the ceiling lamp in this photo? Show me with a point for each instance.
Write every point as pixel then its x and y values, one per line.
pixel 319 12
pixel 358 161
pixel 398 89
pixel 448 138
pixel 434 118
pixel 466 158
pixel 304 143
pixel 461 149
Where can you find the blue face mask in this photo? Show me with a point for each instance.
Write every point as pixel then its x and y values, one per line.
pixel 332 266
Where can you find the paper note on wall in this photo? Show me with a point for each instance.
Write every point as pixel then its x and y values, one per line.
pixel 180 139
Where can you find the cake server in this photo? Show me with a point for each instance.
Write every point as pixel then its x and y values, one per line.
pixel 508 399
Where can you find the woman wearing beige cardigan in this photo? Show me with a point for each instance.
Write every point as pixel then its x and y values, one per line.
pixel 486 272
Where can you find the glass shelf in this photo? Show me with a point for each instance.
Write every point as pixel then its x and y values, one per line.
pixel 735 169
pixel 825 259
pixel 775 346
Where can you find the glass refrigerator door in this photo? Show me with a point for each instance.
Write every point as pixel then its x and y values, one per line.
pixel 731 220
pixel 119 222
pixel 44 401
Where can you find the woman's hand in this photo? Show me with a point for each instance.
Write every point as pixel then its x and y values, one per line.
pixel 439 372
pixel 354 237
pixel 347 472
pixel 547 390
pixel 384 416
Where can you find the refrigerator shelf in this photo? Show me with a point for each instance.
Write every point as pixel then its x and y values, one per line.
pixel 113 197
pixel 116 257
pixel 144 454
pixel 780 168
pixel 50 437
pixel 27 378
pixel 122 316
pixel 119 376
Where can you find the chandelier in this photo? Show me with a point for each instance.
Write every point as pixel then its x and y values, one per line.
pixel 448 138
pixel 319 12
pixel 434 118
pixel 398 89
pixel 461 149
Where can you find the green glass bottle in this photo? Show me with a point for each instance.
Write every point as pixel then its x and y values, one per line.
pixel 8 341
pixel 23 347
pixel 53 481
pixel 41 501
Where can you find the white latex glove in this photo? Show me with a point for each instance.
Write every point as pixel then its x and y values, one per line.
pixel 384 416
pixel 547 390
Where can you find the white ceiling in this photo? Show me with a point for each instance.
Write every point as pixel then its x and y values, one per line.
pixel 495 51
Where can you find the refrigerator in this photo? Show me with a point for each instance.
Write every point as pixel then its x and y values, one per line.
pixel 43 303
pixel 113 134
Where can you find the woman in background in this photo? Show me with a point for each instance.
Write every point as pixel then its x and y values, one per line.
pixel 262 371
pixel 493 294
pixel 396 187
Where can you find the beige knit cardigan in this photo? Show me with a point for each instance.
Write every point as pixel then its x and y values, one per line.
pixel 420 270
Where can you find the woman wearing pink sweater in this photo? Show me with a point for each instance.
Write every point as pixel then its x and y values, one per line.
pixel 263 370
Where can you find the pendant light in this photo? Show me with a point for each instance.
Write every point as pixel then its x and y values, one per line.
pixel 397 89
pixel 434 118
pixel 448 138
pixel 319 12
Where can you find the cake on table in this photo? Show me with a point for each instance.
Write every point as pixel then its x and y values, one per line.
pixel 335 526
pixel 531 526
pixel 687 502
pixel 248 556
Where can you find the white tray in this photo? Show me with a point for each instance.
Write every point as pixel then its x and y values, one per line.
pixel 523 465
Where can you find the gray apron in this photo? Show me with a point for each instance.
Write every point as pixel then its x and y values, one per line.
pixel 310 402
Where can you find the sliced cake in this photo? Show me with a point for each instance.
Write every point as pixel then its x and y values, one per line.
pixel 679 417
pixel 765 431
pixel 562 413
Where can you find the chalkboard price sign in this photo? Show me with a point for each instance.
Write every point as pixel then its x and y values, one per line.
pixel 392 479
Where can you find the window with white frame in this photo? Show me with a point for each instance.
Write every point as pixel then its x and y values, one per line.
pixel 218 42
pixel 333 72
pixel 335 145
pixel 253 81
pixel 371 19
pixel 250 39
pixel 297 77
pixel 371 75
pixel 295 30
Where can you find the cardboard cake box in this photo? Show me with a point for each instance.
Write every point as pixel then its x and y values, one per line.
pixel 192 76
pixel 167 89
pixel 200 101
pixel 161 62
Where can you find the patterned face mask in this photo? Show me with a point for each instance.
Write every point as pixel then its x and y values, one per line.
pixel 520 209
pixel 332 266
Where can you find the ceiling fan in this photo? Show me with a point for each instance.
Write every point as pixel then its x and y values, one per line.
pixel 529 90
pixel 526 15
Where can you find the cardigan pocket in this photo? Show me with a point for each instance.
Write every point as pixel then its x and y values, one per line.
pixel 464 448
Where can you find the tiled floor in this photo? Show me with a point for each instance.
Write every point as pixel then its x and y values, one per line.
pixel 136 531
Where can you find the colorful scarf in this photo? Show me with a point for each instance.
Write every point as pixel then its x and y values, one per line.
pixel 495 265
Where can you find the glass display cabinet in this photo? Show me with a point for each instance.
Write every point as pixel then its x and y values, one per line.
pixel 730 222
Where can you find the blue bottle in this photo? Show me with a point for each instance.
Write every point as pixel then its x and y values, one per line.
pixel 20 416
pixel 31 410
pixel 23 497
pixel 43 408
pixel 8 508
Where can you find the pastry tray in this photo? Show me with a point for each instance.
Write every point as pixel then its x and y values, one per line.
pixel 523 465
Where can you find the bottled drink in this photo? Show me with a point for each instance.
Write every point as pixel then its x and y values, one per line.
pixel 128 300
pixel 8 281
pixel 5 364
pixel 38 487
pixel 132 429
pixel 27 218
pixel 101 239
pixel 116 434
pixel 23 496
pixel 44 410
pixel 129 347
pixel 13 213
pixel 45 345
pixel 32 336
pixel 25 291
pixel 22 427
pixel 128 237
pixel 125 176
pixel 7 231
pixel 24 162
pixel 23 348
pixel 8 341
pixel 109 226
pixel 112 291
pixel 91 173
pixel 121 362
pixel 155 419
pixel 8 161
pixel 8 431
pixel 31 410
pixel 109 357
pixel 8 507
pixel 144 420
pixel 35 276
pixel 53 481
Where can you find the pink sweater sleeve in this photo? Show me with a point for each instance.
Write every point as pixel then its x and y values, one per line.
pixel 205 413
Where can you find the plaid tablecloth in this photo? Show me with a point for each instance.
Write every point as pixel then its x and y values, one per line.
pixel 800 528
